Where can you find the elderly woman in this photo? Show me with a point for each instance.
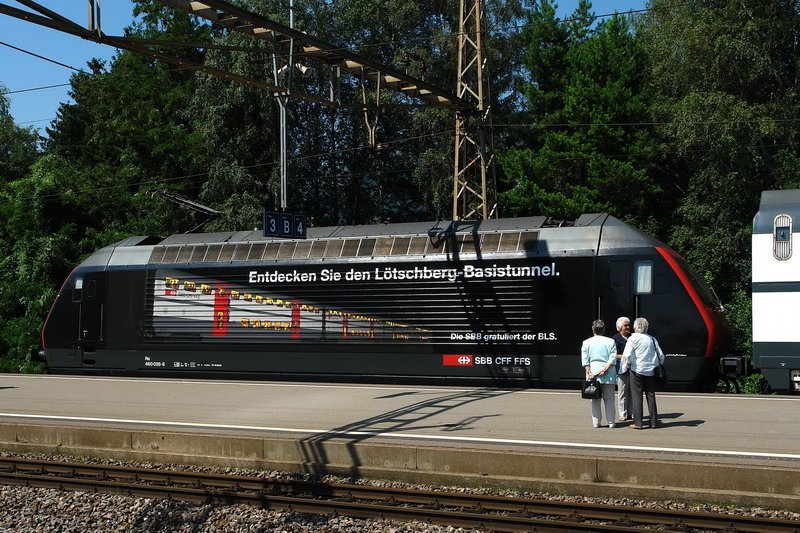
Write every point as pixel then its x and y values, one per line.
pixel 599 357
pixel 642 354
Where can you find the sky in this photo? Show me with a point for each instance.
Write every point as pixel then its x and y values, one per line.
pixel 36 86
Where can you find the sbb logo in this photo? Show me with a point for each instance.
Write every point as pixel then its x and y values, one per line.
pixel 452 359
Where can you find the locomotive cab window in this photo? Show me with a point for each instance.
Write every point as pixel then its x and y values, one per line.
pixel 77 290
pixel 643 277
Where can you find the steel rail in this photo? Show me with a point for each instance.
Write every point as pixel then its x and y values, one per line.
pixel 496 513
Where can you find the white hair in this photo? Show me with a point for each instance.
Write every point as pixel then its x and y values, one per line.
pixel 641 325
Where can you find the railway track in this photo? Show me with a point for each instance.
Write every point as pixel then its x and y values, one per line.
pixel 490 513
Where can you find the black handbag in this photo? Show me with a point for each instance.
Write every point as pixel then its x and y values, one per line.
pixel 591 390
pixel 661 374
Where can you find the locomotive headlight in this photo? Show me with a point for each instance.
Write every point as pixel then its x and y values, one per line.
pixel 795 379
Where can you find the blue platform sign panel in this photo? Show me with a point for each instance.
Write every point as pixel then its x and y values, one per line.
pixel 272 224
pixel 300 224
pixel 287 223
pixel 284 225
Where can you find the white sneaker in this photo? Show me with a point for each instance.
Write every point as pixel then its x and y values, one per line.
pixel 612 426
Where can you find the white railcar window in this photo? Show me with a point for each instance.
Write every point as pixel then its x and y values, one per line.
pixel 782 237
pixel 643 277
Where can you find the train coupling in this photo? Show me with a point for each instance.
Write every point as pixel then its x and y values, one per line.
pixel 733 364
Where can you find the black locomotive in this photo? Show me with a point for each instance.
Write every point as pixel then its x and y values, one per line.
pixel 495 302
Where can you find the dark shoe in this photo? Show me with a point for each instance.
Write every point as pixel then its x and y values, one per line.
pixel 656 425
pixel 634 426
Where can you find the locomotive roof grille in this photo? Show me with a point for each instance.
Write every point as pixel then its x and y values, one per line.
pixel 332 248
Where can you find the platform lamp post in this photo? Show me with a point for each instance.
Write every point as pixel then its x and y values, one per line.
pixel 283 101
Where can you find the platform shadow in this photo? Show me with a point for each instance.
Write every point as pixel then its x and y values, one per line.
pixel 679 423
pixel 667 420
pixel 317 459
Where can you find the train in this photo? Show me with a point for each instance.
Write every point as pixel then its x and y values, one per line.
pixel 776 289
pixel 490 302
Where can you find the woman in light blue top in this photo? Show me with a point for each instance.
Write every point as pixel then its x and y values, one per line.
pixel 599 357
pixel 642 354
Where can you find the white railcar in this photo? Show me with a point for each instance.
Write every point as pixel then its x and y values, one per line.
pixel 776 289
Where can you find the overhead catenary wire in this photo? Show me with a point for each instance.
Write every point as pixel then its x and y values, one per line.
pixel 102 76
pixel 553 158
pixel 38 56
pixel 296 54
pixel 493 126
pixel 590 17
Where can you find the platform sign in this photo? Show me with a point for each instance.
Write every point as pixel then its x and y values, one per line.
pixel 300 225
pixel 284 225
pixel 272 224
pixel 287 220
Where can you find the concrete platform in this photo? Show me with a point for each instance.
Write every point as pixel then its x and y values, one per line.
pixel 689 479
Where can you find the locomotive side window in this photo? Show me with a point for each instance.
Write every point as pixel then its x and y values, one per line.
pixel 619 276
pixel 77 290
pixel 91 288
pixel 643 277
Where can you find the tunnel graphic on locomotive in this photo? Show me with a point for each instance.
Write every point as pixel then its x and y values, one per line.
pixel 493 302
pixel 188 304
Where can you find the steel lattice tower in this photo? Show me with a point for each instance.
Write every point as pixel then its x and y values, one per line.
pixel 473 157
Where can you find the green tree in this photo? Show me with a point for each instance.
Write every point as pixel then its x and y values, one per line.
pixel 587 142
pixel 18 146
pixel 335 175
pixel 725 74
pixel 431 141
pixel 39 249
pixel 128 134
pixel 23 297
pixel 130 131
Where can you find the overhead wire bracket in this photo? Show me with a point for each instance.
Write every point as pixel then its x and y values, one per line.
pixel 194 206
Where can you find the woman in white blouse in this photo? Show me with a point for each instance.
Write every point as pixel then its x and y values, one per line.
pixel 642 354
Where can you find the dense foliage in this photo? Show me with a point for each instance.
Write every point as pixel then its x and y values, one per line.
pixel 673 120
